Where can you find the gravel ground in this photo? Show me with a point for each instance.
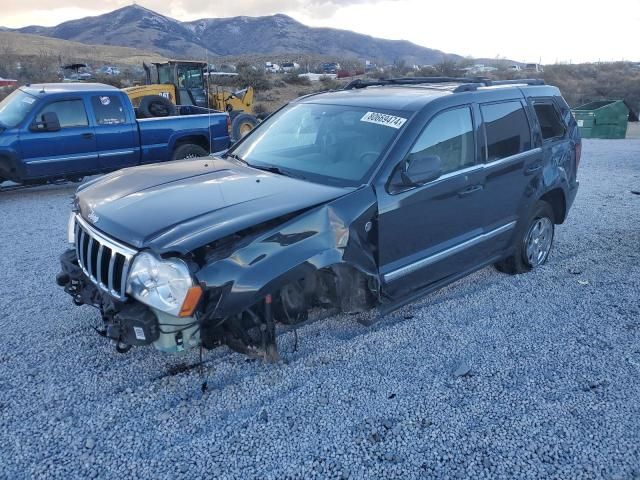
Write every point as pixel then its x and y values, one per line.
pixel 534 376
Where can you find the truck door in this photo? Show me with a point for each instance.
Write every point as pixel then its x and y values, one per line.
pixel 116 132
pixel 432 231
pixel 68 151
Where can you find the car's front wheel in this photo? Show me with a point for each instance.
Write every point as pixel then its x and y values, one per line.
pixel 533 243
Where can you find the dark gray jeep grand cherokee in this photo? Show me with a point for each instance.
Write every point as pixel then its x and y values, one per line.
pixel 369 196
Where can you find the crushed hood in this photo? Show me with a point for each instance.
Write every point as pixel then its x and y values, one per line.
pixel 179 206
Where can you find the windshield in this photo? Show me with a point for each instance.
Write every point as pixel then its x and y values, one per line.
pixel 322 143
pixel 15 107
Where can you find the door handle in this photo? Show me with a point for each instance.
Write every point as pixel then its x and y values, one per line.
pixel 87 135
pixel 470 190
pixel 533 169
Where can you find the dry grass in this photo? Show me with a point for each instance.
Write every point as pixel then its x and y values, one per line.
pixel 25 45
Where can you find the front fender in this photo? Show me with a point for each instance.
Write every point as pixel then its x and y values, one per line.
pixel 330 234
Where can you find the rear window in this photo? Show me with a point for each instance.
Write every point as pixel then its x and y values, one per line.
pixel 550 124
pixel 506 129
pixel 108 110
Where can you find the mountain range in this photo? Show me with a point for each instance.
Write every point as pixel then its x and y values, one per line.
pixel 136 26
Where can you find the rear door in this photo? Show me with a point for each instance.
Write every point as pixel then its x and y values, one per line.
pixel 429 232
pixel 116 132
pixel 71 150
pixel 511 163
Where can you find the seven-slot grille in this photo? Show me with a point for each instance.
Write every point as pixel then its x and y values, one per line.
pixel 105 261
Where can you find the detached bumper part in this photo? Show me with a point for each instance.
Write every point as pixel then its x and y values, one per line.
pixel 129 323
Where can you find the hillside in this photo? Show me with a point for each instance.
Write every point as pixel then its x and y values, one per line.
pixel 137 26
pixel 26 45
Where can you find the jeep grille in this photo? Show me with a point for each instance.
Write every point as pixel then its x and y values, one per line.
pixel 105 261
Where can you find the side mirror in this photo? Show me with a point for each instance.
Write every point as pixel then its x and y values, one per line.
pixel 49 122
pixel 418 169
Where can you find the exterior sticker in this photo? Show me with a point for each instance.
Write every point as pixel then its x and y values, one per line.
pixel 383 119
pixel 580 123
pixel 139 333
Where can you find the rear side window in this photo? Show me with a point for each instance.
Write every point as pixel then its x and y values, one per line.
pixel 450 136
pixel 550 124
pixel 71 113
pixel 506 129
pixel 108 110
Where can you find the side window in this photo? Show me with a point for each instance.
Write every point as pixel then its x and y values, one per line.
pixel 71 113
pixel 108 110
pixel 550 124
pixel 506 129
pixel 450 136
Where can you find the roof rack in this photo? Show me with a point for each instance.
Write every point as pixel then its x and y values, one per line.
pixel 467 84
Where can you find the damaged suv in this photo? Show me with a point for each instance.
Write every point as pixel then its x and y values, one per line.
pixel 366 197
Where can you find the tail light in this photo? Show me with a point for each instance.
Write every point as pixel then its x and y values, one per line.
pixel 229 125
pixel 578 154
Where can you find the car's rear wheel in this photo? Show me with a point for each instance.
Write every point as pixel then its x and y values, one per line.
pixel 533 243
pixel 189 150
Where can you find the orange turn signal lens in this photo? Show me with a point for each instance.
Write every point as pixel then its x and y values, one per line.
pixel 190 301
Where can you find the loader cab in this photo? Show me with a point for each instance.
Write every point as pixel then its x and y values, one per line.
pixel 188 80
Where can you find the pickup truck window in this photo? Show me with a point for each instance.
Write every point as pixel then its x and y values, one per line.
pixel 335 144
pixel 506 128
pixel 108 110
pixel 71 113
pixel 15 107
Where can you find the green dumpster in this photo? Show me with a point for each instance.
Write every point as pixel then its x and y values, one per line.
pixel 603 119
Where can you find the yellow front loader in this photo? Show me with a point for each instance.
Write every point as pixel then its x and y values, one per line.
pixel 180 82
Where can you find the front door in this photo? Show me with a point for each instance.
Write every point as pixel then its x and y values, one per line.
pixel 69 151
pixel 430 232
pixel 116 135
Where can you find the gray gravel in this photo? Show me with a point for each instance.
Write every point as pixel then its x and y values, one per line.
pixel 534 376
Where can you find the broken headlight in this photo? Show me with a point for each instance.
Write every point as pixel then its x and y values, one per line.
pixel 159 283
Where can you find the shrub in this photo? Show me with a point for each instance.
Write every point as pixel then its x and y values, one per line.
pixel 296 80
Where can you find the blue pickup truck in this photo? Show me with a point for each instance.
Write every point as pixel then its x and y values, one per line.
pixel 66 131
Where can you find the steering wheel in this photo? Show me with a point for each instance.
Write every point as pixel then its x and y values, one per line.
pixel 363 158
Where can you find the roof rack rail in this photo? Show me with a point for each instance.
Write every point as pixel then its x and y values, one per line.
pixel 467 84
pixel 359 83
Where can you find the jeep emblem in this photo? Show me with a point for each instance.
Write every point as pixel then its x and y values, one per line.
pixel 93 217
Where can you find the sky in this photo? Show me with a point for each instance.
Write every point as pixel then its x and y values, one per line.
pixel 546 31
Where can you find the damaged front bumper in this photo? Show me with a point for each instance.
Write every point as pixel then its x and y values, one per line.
pixel 129 322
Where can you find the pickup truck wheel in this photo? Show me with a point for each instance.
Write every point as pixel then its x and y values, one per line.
pixel 156 106
pixel 242 124
pixel 189 150
pixel 533 243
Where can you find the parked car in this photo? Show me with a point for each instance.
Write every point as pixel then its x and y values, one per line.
pixel 368 197
pixel 58 131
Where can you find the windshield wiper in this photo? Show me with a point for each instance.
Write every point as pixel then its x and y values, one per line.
pixel 236 157
pixel 266 168
pixel 277 170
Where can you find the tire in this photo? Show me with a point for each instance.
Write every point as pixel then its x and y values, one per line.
pixel 242 124
pixel 153 106
pixel 533 242
pixel 187 151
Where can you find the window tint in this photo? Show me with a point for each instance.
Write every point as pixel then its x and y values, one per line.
pixel 450 136
pixel 108 110
pixel 550 124
pixel 71 113
pixel 506 128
